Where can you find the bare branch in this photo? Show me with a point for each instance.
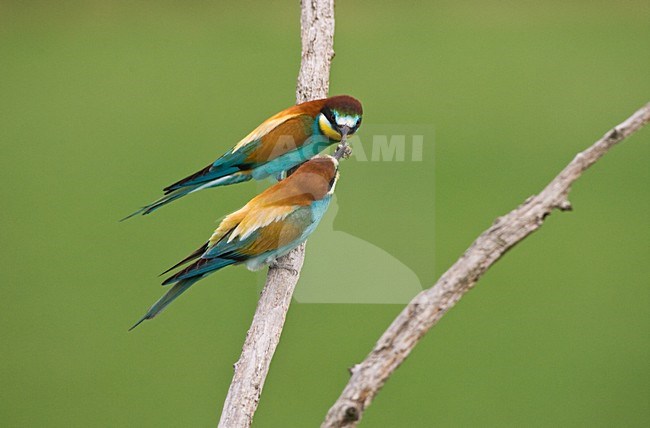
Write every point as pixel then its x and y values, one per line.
pixel 426 309
pixel 317 34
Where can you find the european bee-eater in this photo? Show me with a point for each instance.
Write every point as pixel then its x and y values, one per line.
pixel 281 142
pixel 269 226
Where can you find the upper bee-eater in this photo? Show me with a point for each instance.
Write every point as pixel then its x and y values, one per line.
pixel 281 142
pixel 269 226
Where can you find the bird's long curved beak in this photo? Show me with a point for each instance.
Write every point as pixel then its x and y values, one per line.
pixel 343 149
pixel 345 131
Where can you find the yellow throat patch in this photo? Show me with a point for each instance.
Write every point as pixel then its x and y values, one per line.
pixel 326 128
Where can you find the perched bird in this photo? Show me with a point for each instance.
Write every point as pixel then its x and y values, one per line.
pixel 269 226
pixel 281 142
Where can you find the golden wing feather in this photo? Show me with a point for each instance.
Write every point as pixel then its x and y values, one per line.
pixel 265 127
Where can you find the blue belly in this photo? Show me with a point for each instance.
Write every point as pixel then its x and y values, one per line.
pixel 290 159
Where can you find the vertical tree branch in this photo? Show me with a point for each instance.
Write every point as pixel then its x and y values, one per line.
pixel 428 307
pixel 317 35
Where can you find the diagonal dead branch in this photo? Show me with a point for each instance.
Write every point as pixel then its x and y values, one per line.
pixel 426 309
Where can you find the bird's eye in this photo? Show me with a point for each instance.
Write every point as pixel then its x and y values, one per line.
pixel 329 116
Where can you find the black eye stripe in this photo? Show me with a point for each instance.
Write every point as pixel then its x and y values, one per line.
pixel 329 116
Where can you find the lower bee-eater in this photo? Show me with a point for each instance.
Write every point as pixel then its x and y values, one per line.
pixel 267 227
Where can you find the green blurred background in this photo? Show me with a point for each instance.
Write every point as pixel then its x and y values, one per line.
pixel 102 103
